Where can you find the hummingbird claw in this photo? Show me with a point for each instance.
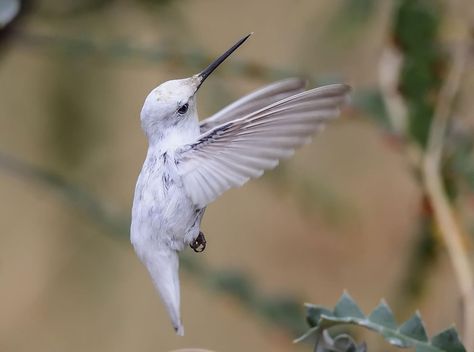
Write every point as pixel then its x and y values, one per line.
pixel 199 244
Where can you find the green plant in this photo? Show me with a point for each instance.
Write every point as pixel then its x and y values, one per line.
pixel 410 334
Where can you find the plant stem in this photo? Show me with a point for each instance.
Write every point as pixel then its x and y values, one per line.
pixel 444 215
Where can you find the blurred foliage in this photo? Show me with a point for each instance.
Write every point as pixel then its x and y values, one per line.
pixel 73 130
pixel 157 3
pixel 350 16
pixel 425 252
pixel 415 33
pixel 411 334
pixel 69 8
pixel 81 47
pixel 459 161
pixel 371 102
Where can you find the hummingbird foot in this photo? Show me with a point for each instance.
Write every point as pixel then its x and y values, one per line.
pixel 199 244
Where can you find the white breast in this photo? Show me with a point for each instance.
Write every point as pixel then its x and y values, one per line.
pixel 162 213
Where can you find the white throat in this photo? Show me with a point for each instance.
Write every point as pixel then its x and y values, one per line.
pixel 172 137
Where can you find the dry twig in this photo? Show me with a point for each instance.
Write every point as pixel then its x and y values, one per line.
pixel 446 220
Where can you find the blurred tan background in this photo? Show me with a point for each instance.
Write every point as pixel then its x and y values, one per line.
pixel 341 214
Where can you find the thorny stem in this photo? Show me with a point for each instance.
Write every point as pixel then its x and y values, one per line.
pixel 445 218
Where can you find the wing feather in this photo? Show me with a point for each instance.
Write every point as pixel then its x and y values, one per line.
pixel 254 101
pixel 231 153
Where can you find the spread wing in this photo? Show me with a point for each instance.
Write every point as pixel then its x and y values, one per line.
pixel 254 101
pixel 230 154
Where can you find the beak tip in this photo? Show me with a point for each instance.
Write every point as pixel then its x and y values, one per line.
pixel 247 36
pixel 207 71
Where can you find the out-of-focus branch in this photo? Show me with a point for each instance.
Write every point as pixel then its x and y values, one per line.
pixel 282 312
pixel 70 192
pixel 79 47
pixel 448 226
pixel 389 68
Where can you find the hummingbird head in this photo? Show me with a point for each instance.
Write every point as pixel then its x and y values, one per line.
pixel 173 103
pixel 169 104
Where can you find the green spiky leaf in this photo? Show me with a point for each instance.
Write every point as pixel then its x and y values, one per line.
pixel 414 328
pixel 448 340
pixel 382 315
pixel 347 307
pixel 411 334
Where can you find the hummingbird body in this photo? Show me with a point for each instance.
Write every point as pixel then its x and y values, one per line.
pixel 190 163
pixel 159 196
pixel 157 234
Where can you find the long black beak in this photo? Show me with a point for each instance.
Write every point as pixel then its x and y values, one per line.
pixel 208 70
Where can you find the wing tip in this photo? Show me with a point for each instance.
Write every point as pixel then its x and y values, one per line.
pixel 342 88
pixel 347 88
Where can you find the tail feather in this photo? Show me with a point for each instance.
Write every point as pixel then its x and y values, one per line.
pixel 163 267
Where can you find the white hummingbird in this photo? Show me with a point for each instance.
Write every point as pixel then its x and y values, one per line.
pixel 190 163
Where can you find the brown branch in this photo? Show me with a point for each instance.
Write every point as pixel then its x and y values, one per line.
pixel 444 215
pixel 389 68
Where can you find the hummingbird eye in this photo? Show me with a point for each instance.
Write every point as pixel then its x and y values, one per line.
pixel 183 109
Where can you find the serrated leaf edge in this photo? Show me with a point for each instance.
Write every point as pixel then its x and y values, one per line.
pixel 391 335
